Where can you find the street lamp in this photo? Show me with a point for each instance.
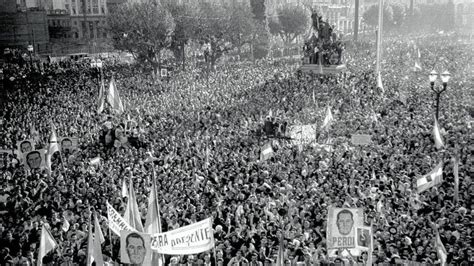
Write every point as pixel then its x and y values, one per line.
pixel 445 76
pixel 97 64
pixel 30 51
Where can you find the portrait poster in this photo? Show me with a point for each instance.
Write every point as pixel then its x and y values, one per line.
pixel 364 238
pixel 341 227
pixel 68 144
pixel 34 159
pixel 135 248
pixel 25 146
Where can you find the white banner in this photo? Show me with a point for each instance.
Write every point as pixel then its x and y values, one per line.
pixel 191 239
pixel 341 227
pixel 116 222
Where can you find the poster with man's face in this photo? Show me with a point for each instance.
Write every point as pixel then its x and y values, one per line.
pixel 135 248
pixel 68 144
pixel 34 159
pixel 25 146
pixel 341 224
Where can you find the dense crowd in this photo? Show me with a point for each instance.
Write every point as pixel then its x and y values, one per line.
pixel 252 202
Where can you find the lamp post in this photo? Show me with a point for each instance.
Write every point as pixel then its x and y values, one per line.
pixel 97 64
pixel 30 51
pixel 445 76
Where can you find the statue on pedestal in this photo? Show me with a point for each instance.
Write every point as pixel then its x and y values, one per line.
pixel 323 47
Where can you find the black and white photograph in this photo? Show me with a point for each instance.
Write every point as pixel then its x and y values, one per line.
pixel 236 132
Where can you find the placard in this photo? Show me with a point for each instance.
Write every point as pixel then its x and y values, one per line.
pixel 341 227
pixel 303 134
pixel 361 139
pixel 135 248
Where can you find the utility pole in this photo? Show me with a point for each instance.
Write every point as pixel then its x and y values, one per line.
pixel 356 20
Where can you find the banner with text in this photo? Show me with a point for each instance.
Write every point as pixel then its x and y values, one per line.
pixel 192 239
pixel 116 222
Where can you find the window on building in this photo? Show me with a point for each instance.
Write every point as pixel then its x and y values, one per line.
pixel 95 6
pixel 73 11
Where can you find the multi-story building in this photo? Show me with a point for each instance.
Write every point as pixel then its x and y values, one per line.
pixel 464 16
pixel 21 26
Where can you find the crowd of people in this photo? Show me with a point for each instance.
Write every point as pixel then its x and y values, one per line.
pixel 252 202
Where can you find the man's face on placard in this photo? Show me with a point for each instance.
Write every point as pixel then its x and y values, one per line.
pixel 25 146
pixel 344 222
pixel 33 159
pixel 136 249
pixel 66 144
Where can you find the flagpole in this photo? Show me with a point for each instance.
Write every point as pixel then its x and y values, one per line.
pixel 379 37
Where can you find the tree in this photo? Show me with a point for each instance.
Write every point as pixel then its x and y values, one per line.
pixel 185 24
pixel 212 30
pixel 258 10
pixel 241 25
pixel 291 22
pixel 371 16
pixel 142 29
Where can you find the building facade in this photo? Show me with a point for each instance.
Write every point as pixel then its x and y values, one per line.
pixel 20 27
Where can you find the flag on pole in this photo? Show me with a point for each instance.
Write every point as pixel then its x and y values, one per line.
pixel 65 225
pixel 47 244
pixel 442 254
pixel 328 118
pixel 266 152
pixel 433 178
pixel 153 219
pixel 113 97
pixel 379 82
pixel 281 254
pixel 373 116
pixel 379 38
pixel 98 230
pixel 206 163
pixel 52 147
pixel 94 250
pixel 124 189
pixel 437 135
pixel 456 179
pixel 101 96
pixel 417 66
pixel 132 214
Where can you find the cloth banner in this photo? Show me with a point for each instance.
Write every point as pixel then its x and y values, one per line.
pixel 116 222
pixel 192 239
pixel 341 227
pixel 195 238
